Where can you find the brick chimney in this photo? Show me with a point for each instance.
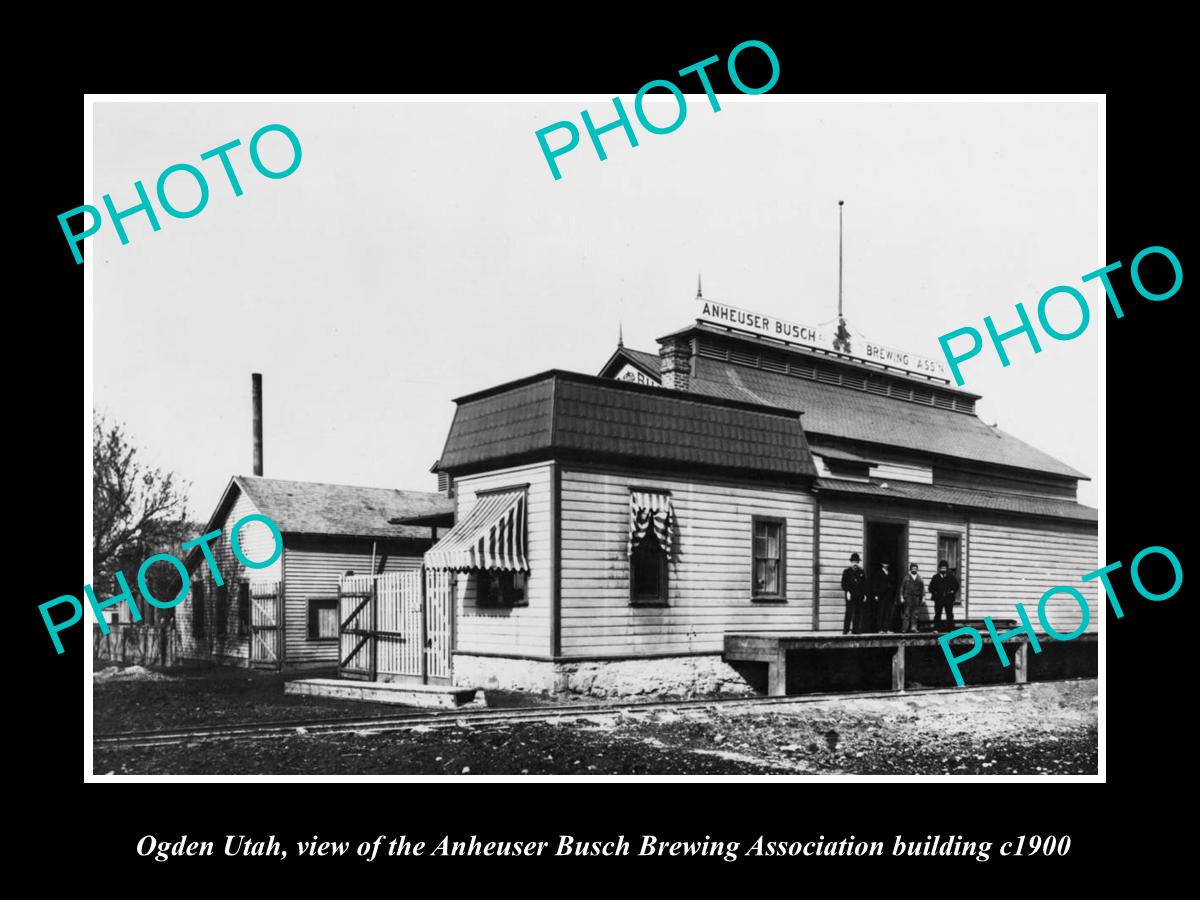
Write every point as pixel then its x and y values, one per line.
pixel 675 368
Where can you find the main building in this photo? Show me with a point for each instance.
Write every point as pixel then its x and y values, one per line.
pixel 613 529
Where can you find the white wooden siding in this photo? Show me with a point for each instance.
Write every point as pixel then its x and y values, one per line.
pixel 1003 563
pixel 1011 565
pixel 923 550
pixel 313 566
pixel 899 472
pixel 843 532
pixel 516 630
pixel 709 580
pixel 841 535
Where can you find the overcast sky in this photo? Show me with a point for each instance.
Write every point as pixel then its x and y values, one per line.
pixel 423 250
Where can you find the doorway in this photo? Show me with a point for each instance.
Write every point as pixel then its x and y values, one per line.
pixel 886 542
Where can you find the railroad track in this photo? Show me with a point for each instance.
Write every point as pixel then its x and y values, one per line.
pixel 478 716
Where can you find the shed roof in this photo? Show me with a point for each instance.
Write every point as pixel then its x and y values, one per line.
pixel 837 412
pixel 311 507
pixel 1023 504
pixel 567 413
pixel 821 449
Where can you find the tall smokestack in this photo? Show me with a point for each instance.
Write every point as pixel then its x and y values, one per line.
pixel 256 398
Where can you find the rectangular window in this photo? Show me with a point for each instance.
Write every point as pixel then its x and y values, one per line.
pixel 949 545
pixel 243 607
pixel 501 588
pixel 769 563
pixel 648 573
pixel 222 604
pixel 198 609
pixel 322 618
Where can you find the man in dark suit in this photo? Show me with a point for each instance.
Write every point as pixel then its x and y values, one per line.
pixel 854 587
pixel 883 595
pixel 944 588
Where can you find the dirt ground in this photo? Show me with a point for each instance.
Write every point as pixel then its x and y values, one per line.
pixel 1042 728
pixel 206 695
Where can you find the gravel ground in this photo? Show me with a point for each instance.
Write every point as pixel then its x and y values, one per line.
pixel 1044 728
pixel 209 696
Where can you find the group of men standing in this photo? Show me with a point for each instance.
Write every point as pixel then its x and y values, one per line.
pixel 875 603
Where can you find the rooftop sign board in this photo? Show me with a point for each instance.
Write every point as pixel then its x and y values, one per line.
pixel 820 338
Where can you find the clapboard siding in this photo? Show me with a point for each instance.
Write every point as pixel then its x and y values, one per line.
pixel 923 550
pixel 898 472
pixel 313 566
pixel 843 531
pixel 257 543
pixel 521 629
pixel 841 535
pixel 1013 564
pixel 709 577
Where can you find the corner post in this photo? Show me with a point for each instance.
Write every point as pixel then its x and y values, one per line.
pixel 373 637
pixel 777 674
pixel 898 668
pixel 424 630
pixel 1020 664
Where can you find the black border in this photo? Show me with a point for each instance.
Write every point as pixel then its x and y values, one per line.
pixel 1149 453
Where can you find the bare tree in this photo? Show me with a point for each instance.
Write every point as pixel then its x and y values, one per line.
pixel 135 509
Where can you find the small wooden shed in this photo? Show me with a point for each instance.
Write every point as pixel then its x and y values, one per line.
pixel 285 615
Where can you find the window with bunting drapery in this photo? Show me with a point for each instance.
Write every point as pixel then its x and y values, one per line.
pixel 651 531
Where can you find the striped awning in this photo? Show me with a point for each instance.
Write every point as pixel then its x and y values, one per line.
pixel 492 536
pixel 650 510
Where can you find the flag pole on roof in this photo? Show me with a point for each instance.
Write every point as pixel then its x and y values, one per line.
pixel 842 341
pixel 699 291
pixel 841 203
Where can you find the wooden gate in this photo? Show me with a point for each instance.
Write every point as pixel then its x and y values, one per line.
pixel 356 623
pixel 396 626
pixel 265 634
pixel 439 596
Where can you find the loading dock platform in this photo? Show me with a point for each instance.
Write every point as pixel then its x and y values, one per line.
pixel 773 649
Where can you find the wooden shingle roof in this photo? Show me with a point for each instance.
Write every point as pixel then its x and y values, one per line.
pixel 310 507
pixel 566 414
pixel 651 362
pixel 834 411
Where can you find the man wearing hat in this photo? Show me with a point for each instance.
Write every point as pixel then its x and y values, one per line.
pixel 944 588
pixel 854 586
pixel 912 593
pixel 883 592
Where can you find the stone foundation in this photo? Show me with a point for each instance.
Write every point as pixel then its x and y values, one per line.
pixel 676 676
pixel 496 673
